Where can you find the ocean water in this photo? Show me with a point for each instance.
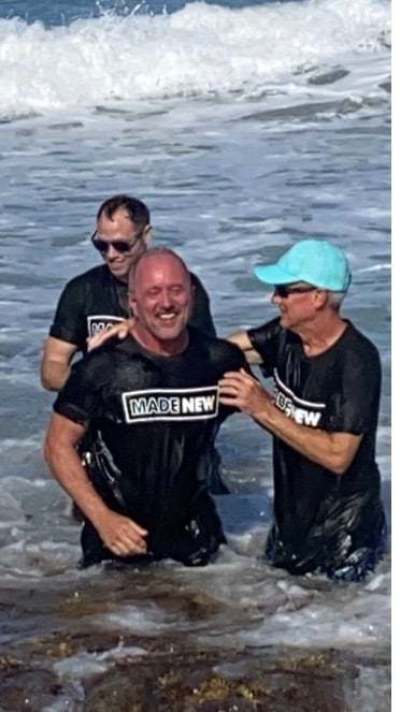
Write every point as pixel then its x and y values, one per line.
pixel 244 126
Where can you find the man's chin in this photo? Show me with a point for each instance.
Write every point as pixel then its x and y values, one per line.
pixel 119 272
pixel 169 332
pixel 166 334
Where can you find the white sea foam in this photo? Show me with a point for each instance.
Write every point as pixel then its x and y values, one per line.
pixel 306 611
pixel 315 619
pixel 33 560
pixel 199 50
pixel 87 664
pixel 147 620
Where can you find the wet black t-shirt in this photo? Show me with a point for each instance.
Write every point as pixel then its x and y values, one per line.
pixel 321 519
pixel 153 419
pixel 95 300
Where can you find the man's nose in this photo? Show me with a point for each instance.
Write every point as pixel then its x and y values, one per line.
pixel 111 251
pixel 165 299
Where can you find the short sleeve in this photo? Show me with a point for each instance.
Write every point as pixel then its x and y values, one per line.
pixel 69 321
pixel 357 406
pixel 265 340
pixel 231 359
pixel 79 400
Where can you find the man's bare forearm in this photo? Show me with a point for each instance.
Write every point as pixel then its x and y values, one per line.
pixel 119 533
pixel 54 375
pixel 334 451
pixel 66 467
pixel 56 363
pixel 241 339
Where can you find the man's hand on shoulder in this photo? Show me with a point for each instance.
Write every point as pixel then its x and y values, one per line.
pixel 119 331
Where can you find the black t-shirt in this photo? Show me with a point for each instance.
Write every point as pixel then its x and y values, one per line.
pixel 320 518
pixel 95 300
pixel 153 418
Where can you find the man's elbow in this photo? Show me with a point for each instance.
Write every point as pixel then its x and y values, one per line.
pixel 53 375
pixel 47 382
pixel 338 467
pixel 339 463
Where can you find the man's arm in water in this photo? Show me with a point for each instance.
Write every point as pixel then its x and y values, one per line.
pixel 121 535
pixel 56 363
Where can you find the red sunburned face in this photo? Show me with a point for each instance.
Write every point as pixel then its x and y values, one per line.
pixel 162 302
pixel 119 229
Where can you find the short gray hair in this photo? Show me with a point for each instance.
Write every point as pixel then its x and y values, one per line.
pixel 336 298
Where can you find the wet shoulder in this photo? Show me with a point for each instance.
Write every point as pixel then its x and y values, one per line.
pixel 358 346
pixel 356 358
pixel 221 352
pixel 92 278
pixel 93 365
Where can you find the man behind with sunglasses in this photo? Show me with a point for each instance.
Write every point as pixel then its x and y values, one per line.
pixel 98 298
pixel 322 414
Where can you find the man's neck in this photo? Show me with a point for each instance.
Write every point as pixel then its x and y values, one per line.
pixel 321 334
pixel 159 347
pixel 123 281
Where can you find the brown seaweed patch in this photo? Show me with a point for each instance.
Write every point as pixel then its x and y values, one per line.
pixel 29 690
pixel 191 683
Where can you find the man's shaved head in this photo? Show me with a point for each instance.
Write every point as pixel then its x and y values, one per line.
pixel 161 296
pixel 151 255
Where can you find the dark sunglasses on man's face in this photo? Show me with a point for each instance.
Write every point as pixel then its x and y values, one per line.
pixel 283 290
pixel 121 246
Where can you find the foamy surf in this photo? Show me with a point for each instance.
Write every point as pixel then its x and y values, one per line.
pixel 200 50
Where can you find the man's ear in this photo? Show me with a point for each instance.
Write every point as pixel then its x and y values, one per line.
pixel 148 236
pixel 321 297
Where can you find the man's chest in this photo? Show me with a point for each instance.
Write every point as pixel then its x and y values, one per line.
pixel 98 322
pixel 103 307
pixel 144 392
pixel 308 393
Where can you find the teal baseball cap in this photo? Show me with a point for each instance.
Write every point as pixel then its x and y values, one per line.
pixel 317 262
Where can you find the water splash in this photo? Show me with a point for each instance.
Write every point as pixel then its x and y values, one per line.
pixel 200 50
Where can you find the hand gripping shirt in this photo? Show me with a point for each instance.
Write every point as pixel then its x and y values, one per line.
pixel 95 300
pixel 153 419
pixel 324 521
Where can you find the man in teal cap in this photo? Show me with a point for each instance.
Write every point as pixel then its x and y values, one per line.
pixel 322 413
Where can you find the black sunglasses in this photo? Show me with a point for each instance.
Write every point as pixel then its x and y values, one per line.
pixel 121 246
pixel 283 290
